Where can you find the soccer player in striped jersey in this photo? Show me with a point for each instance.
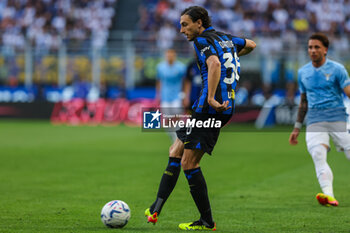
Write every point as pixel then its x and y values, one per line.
pixel 218 58
pixel 322 83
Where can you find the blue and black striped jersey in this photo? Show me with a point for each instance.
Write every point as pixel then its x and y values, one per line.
pixel 226 47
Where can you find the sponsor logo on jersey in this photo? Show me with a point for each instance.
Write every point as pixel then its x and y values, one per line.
pixel 204 49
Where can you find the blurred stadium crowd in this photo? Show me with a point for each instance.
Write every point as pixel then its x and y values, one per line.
pixel 38 30
pixel 45 23
pixel 252 18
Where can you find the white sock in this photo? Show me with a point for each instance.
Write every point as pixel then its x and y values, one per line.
pixel 347 154
pixel 323 171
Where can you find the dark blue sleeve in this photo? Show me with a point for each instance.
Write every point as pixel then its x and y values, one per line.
pixel 204 49
pixel 239 42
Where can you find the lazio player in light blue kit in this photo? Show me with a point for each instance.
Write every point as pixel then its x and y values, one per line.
pixel 322 83
pixel 170 75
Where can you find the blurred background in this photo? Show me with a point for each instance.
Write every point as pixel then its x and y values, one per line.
pixel 80 61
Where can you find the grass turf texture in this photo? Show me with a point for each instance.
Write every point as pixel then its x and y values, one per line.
pixel 57 179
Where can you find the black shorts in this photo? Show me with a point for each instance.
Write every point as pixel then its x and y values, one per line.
pixel 200 137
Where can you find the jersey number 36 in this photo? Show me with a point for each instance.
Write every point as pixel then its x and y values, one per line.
pixel 228 64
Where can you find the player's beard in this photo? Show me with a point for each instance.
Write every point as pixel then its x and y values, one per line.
pixel 316 58
pixel 194 35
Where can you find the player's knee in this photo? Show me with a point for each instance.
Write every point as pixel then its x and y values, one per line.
pixel 347 154
pixel 176 149
pixel 188 162
pixel 319 153
pixel 184 163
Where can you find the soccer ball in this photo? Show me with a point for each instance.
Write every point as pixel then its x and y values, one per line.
pixel 115 214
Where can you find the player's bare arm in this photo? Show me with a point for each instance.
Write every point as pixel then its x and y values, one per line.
pixel 293 138
pixel 214 72
pixel 249 46
pixel 302 108
pixel 347 90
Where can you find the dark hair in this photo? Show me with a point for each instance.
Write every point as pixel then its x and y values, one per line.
pixel 197 12
pixel 321 37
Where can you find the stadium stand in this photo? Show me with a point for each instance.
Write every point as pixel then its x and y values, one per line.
pixel 47 22
pixel 255 17
pixel 67 33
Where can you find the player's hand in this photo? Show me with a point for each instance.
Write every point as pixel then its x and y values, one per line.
pixel 293 138
pixel 219 107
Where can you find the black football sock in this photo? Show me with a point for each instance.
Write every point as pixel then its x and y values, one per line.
pixel 167 184
pixel 199 193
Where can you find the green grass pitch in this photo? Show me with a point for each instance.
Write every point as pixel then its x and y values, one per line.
pixel 57 179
